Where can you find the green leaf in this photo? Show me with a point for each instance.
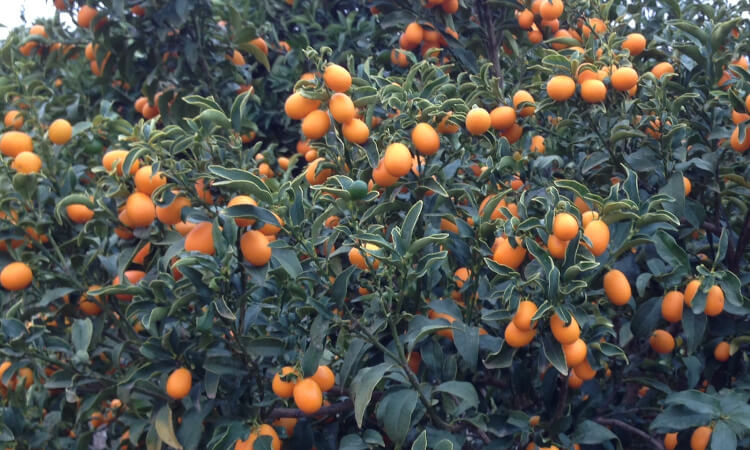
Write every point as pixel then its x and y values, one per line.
pixel 81 333
pixel 723 437
pixel 464 391
pixel 203 102
pixel 216 117
pixel 691 29
pixel 242 180
pixel 318 333
pixel 678 417
pixel 553 351
pixel 501 359
pixel 646 318
pixel 696 401
pixel 395 411
pixel 420 443
pixel 721 248
pixel 671 252
pixel 589 432
pixel 257 54
pixel 6 435
pixel 287 258
pixel 466 340
pixel 341 285
pixel 71 199
pixel 410 221
pixel 165 427
pixel 363 385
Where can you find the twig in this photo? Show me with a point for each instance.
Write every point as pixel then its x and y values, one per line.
pixel 739 249
pixel 620 424
pixel 336 408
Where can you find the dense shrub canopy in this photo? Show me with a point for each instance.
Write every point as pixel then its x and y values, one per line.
pixel 363 224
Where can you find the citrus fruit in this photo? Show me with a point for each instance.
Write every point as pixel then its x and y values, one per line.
pixel 255 248
pixel 179 383
pixel 617 288
pixel 307 396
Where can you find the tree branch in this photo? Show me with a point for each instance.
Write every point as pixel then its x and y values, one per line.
pixel 330 410
pixel 739 249
pixel 492 45
pixel 631 429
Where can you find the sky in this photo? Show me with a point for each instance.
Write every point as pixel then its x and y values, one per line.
pixel 11 13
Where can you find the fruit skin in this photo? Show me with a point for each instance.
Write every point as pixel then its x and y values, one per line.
pixel 584 371
pixel 14 142
pixel 690 290
pixel 16 276
pixel 413 35
pixel 721 351
pixel 617 287
pixel 506 255
pixel 171 213
pixel 316 124
pixel 662 69
pixel 565 226
pixel 242 200
pixel 179 383
pixel 478 121
pixel 337 78
pixel 281 388
pixel 593 91
pixel 564 334
pixel 85 15
pixel 561 88
pixel 556 247
pixel 60 131
pixel 574 381
pixel 551 9
pixel 341 107
pixel 537 144
pixel 325 378
pixel 79 213
pixel 13 118
pixel 255 248
pixel 425 139
pixel 518 338
pixel 307 396
pixel 146 181
pixel 262 430
pixel 662 342
pixel 297 106
pixel 356 131
pixel 397 159
pixel 356 258
pixel 90 307
pixel 670 441
pixel 201 239
pixel 624 78
pixel 598 233
pixel 635 42
pixel 575 352
pixel 714 301
pixel 700 438
pixel 520 97
pixel 118 156
pixel 524 313
pixel 671 306
pixel 322 175
pixel 502 117
pixel 27 163
pixel 140 209
pixel 734 141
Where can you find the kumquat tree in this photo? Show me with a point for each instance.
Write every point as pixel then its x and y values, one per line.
pixel 364 224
